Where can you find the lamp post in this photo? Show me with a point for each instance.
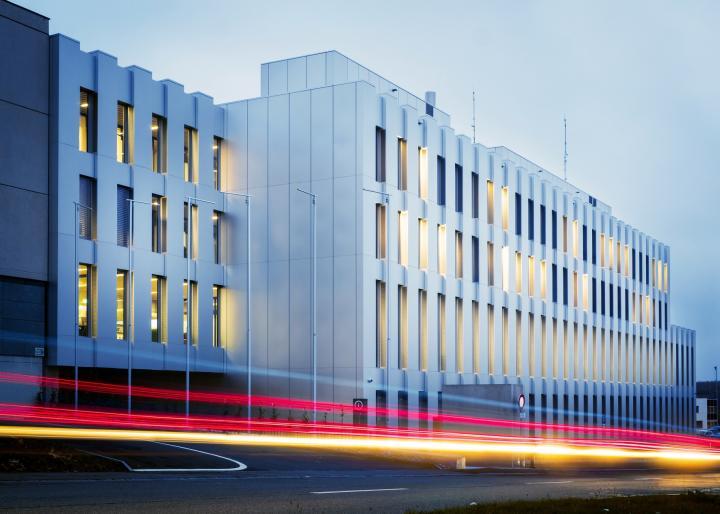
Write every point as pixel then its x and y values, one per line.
pixel 386 200
pixel 190 200
pixel 717 400
pixel 77 325
pixel 313 295
pixel 130 285
pixel 247 304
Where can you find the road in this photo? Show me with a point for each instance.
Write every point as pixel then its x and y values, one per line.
pixel 295 480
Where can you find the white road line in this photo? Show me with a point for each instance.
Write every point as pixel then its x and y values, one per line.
pixel 360 491
pixel 649 478
pixel 550 482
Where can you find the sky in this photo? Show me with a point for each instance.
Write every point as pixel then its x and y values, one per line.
pixel 638 82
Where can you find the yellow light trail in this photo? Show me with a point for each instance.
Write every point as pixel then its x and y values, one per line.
pixel 375 443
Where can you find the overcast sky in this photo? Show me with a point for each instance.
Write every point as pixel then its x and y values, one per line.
pixel 639 82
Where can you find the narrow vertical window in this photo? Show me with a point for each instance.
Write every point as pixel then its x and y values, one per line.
pixel 458 188
pixel 475 259
pixel 543 346
pixel 505 207
pixel 505 343
pixel 190 218
pixel 422 328
pixel 518 272
pixel 87 211
pixel 458 255
pixel 121 304
pixel 531 220
pixel 565 233
pixel 475 337
pixel 575 238
pixel 442 250
pixel 490 264
pixel 531 276
pixel 124 133
pixel 86 300
pixel 190 306
pixel 423 172
pixel 475 195
pixel 157 309
pixel 554 283
pixel 491 338
pixel 566 286
pixel 402 164
pixel 505 265
pixel 442 333
pixel 423 243
pixel 158 128
pixel 490 202
pixel 459 336
pixel 441 182
pixel 217 236
pixel 553 223
pixel 543 225
pixel 380 175
pixel 381 325
pixel 593 246
pixel 159 217
pixel 216 316
pixel 124 195
pixel 402 328
pixel 380 231
pixel 585 243
pixel 217 163
pixel 403 242
pixel 189 154
pixel 602 250
pixel 518 214
pixel 87 127
pixel 586 292
pixel 543 279
pixel 518 344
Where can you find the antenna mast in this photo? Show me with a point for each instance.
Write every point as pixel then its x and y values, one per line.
pixel 565 154
pixel 473 123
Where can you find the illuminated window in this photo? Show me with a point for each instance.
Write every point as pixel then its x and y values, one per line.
pixel 565 234
pixel 217 162
pixel 505 343
pixel 458 255
pixel 666 278
pixel 566 355
pixel 217 236
pixel 543 279
pixel 86 210
pixel 380 231
pixel 531 344
pixel 189 154
pixel 403 238
pixel 531 276
pixel 159 216
pixel 442 333
pixel 459 336
pixel 86 300
pixel 380 154
pixel 442 250
pixel 423 243
pixel 158 129
pixel 543 346
pixel 518 272
pixel 217 316
pixel 518 344
pixel 121 303
pixel 188 221
pixel 505 265
pixel 618 257
pixel 158 310
pixel 626 264
pixel 490 202
pixel 575 237
pixel 124 209
pixel 87 131
pixel 505 207
pixel 602 250
pixel 402 328
pixel 124 133
pixel 402 164
pixel 586 292
pixel 423 172
pixel 380 325
pixel 491 338
pixel 190 312
pixel 476 337
pixel 555 355
pixel 422 328
pixel 490 264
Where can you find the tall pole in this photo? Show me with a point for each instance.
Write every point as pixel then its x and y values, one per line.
pixel 717 400
pixel 313 296
pixel 565 154
pixel 77 313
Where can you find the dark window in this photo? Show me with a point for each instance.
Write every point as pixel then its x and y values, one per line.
pixel 666 315
pixel 565 286
pixel 123 132
pixel 124 194
pixel 475 259
pixel 458 188
pixel 543 235
pixel 633 263
pixel 554 283
pixel 87 130
pixel 158 223
pixel 518 214
pixel 627 305
pixel 619 296
pixel 86 210
pixel 640 266
pixel 158 128
pixel 611 302
pixel 402 418
pixel 217 227
pixel 441 180
pixel 217 162
pixel 531 220
pixel 189 151
pixel 380 154
pixel 585 246
pixel 475 195
pixel 217 316
pixel 423 408
pixel 553 222
pixel 602 297
pixel 594 288
pixel 593 244
pixel 647 270
pixel 381 408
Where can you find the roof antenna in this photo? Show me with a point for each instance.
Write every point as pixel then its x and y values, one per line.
pixel 565 154
pixel 473 123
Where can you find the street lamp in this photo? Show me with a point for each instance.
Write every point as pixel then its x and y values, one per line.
pixel 313 295
pixel 247 304
pixel 77 325
pixel 189 200
pixel 386 200
pixel 131 301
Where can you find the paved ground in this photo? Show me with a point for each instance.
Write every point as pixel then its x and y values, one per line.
pixel 290 480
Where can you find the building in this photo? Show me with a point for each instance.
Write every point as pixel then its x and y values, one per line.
pixel 24 144
pixel 439 262
pixel 705 413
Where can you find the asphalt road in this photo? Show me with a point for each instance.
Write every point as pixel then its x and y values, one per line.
pixel 292 480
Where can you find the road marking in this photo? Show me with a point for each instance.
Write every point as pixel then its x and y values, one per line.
pixel 360 491
pixel 550 482
pixel 649 478
pixel 239 466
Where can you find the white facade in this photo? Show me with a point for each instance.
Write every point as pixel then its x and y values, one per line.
pixel 509 316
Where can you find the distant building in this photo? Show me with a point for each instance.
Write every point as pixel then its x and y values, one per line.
pixel 706 413
pixel 440 262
